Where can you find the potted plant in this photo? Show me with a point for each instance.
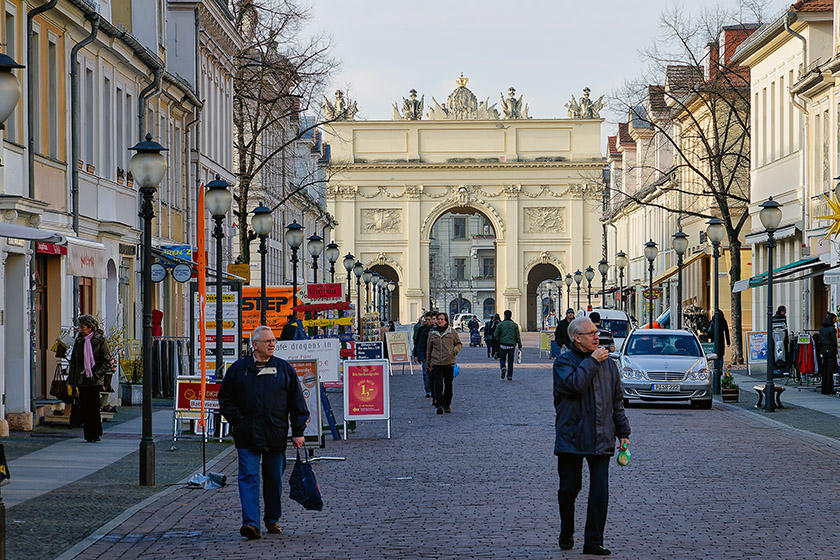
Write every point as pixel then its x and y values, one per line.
pixel 132 386
pixel 728 389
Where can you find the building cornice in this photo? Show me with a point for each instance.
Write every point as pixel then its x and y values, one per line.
pixel 594 164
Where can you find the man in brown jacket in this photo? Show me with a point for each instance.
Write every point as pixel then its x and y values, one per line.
pixel 442 349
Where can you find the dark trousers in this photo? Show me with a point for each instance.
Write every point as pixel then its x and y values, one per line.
pixel 570 467
pixel 441 379
pixel 489 343
pixel 89 403
pixel 506 355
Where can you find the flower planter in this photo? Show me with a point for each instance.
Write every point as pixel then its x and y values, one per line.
pixel 729 394
pixel 131 394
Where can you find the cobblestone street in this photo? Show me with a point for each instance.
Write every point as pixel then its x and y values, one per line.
pixel 481 483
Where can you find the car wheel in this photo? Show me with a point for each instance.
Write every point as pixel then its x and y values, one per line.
pixel 703 405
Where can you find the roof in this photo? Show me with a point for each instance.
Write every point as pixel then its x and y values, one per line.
pixel 639 117
pixel 679 79
pixel 656 98
pixel 813 6
pixel 624 134
pixel 612 148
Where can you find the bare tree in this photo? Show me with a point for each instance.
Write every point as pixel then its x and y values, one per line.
pixel 705 120
pixel 278 81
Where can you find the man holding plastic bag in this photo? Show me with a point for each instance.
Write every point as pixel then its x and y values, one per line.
pixel 507 337
pixel 261 397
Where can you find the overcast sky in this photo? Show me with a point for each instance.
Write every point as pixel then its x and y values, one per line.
pixel 547 49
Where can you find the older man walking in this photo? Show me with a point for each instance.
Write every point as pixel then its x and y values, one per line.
pixel 588 401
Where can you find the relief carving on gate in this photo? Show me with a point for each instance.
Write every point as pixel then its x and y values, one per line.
pixel 381 220
pixel 545 220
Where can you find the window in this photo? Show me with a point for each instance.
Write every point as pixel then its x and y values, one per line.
pixel 86 295
pixel 177 176
pixel 460 269
pixel 784 105
pixel 119 113
pixel 459 226
pixel 90 126
pixel 11 43
pixel 488 267
pixel 772 121
pixel 36 92
pixel 107 170
pixel 52 95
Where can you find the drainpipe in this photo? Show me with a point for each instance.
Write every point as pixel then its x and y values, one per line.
pixel 803 143
pixel 154 86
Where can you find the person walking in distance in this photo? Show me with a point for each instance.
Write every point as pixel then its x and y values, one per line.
pixel 827 352
pixel 421 336
pixel 561 336
pixel 261 397
pixel 89 363
pixel 588 401
pixel 605 337
pixel 507 337
pixel 442 348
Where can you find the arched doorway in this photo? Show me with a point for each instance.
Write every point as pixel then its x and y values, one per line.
pixel 462 262
pixel 540 278
pixel 391 275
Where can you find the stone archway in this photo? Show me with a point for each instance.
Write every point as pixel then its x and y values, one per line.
pixel 391 275
pixel 538 274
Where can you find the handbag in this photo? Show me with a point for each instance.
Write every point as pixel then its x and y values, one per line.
pixel 456 371
pixel 58 387
pixel 303 488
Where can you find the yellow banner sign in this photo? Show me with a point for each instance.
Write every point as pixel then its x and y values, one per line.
pixel 225 324
pixel 243 270
pixel 327 322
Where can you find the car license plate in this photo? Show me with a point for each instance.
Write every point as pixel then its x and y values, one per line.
pixel 665 388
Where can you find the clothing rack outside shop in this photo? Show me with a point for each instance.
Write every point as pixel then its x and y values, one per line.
pixel 170 359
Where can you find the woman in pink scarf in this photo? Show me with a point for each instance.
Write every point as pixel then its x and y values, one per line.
pixel 89 363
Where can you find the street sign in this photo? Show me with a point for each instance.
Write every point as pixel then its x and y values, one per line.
pixel 158 272
pixel 321 293
pixel 182 272
pixel 243 270
pixel 345 321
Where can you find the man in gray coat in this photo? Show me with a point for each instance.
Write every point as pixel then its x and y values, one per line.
pixel 588 401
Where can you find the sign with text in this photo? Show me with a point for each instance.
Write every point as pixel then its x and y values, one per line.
pixel 277 309
pixel 398 351
pixel 368 350
pixel 366 390
pixel 307 371
pixel 657 293
pixel 180 252
pixel 757 347
pixel 241 270
pixel 188 395
pixel 322 293
pixel 230 328
pixel 325 350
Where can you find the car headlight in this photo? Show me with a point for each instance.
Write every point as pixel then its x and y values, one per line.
pixel 699 374
pixel 629 373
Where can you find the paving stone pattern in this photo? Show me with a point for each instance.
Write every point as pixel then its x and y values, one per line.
pixel 481 483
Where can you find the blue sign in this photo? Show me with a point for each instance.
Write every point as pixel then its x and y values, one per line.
pixel 371 350
pixel 183 252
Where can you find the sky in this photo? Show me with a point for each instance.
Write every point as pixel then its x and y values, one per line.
pixel 548 50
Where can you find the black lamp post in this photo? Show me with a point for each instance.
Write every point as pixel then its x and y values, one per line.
pixel 558 283
pixel 603 268
pixel 770 215
pixel 262 223
pixel 148 167
pixel 348 262
pixel 315 246
pixel 367 276
pixel 217 199
pixel 650 254
pixel 715 232
pixel 358 271
pixel 374 288
pixel 391 287
pixel 328 227
pixel 680 243
pixel 578 280
pixel 294 238
pixel 383 288
pixel 568 281
pixel 621 262
pixel 332 253
pixel 589 274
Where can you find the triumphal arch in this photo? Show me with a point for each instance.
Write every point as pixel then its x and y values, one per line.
pixel 536 181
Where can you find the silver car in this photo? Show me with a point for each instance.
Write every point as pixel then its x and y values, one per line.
pixel 665 365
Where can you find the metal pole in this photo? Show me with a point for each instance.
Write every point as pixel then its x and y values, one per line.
pixel 578 296
pixel 332 272
pixel 678 324
pixel 359 305
pixel 568 299
pixel 294 280
pixel 769 388
pixel 348 284
pixel 147 442
pixel 622 303
pixel 650 295
pixel 220 356
pixel 315 269
pixel 588 295
pixel 263 297
pixel 718 340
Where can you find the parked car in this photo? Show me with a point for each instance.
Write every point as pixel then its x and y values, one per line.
pixel 461 320
pixel 618 322
pixel 665 365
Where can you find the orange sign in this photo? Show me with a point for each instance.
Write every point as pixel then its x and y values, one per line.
pixel 278 308
pixel 188 398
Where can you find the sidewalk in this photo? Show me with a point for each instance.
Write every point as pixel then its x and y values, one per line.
pixel 794 394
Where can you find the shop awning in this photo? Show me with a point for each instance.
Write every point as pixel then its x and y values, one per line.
pixel 673 270
pixel 30 234
pixel 799 270
pixel 86 258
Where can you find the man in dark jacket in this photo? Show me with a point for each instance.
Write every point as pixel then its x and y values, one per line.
pixel 507 339
pixel 260 396
pixel 588 401
pixel 561 336
pixel 421 336
pixel 289 329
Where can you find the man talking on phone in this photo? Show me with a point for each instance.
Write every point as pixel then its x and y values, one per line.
pixel 588 401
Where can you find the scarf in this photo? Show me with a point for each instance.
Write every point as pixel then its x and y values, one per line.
pixel 88 354
pixel 442 329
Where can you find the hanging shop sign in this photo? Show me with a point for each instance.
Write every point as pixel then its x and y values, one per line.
pixel 158 272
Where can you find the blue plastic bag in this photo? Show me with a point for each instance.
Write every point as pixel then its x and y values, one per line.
pixel 303 488
pixel 456 371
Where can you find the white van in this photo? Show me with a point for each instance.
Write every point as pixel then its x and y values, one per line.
pixel 461 320
pixel 618 322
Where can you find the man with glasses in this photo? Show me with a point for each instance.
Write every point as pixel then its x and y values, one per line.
pixel 260 397
pixel 588 401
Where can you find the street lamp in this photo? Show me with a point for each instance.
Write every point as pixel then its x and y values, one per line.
pixel 332 253
pixel 680 244
pixel 367 275
pixel 358 272
pixel 262 223
pixel 374 289
pixel 315 246
pixel 391 287
pixel 10 90
pixel 148 166
pixel 383 287
pixel 348 262
pixel 603 268
pixel 589 274
pixel 558 282
pixel 650 255
pixel 715 232
pixel 578 280
pixel 294 238
pixel 217 199
pixel 621 262
pixel 568 281
pixel 770 215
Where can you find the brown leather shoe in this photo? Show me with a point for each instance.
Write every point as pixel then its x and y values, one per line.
pixel 274 528
pixel 249 532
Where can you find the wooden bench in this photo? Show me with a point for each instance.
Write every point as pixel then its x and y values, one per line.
pixel 777 390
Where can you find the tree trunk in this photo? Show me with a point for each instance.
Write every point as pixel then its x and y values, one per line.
pixel 735 301
pixel 244 241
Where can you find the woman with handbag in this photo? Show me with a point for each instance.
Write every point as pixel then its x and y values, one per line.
pixel 89 363
pixel 442 349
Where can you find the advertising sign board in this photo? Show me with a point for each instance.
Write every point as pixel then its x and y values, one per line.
pixel 398 351
pixel 307 371
pixel 278 308
pixel 325 350
pixel 366 390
